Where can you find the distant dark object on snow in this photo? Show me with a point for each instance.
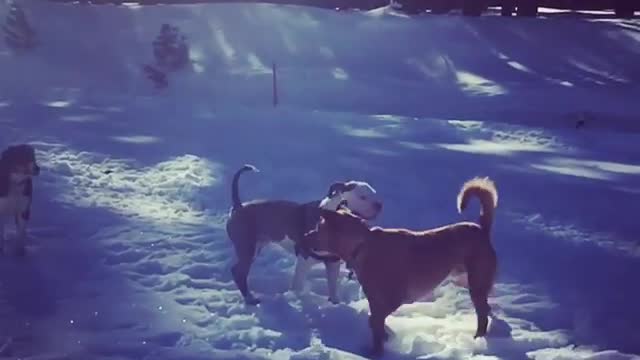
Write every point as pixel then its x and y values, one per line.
pixel 579 119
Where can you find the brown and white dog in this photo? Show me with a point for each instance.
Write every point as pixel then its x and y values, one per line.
pixel 253 224
pixel 17 167
pixel 399 266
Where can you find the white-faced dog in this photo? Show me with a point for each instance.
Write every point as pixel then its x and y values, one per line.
pixel 17 167
pixel 361 199
pixel 255 223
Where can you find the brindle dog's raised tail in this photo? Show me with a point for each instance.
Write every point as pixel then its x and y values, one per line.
pixel 235 196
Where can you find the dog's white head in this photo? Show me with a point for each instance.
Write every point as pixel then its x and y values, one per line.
pixel 358 196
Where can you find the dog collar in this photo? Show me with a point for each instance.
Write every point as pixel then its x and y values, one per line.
pixel 306 253
pixel 305 249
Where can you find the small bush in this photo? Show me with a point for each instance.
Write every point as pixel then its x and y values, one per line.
pixel 170 49
pixel 18 33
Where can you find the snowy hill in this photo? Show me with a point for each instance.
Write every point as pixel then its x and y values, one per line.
pixel 128 258
pixel 452 67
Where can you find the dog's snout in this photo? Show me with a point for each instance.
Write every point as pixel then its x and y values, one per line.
pixel 378 205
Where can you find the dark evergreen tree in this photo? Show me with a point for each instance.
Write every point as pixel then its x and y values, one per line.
pixel 18 33
pixel 170 49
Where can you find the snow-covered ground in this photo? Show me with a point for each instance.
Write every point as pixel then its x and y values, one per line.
pixel 128 258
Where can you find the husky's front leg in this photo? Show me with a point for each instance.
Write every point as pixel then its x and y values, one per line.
pixel 21 227
pixel 1 235
pixel 333 274
pixel 302 267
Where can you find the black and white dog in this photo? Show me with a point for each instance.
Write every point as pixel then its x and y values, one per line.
pixel 17 167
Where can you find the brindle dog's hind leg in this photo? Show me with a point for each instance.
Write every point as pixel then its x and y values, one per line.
pixel 244 243
pixel 1 235
pixel 21 233
pixel 240 272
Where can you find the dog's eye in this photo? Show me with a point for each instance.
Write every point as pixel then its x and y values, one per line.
pixel 362 197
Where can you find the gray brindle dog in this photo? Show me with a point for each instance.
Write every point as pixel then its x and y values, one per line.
pixel 253 224
pixel 17 167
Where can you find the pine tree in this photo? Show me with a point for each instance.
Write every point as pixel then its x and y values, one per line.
pixel 170 49
pixel 18 33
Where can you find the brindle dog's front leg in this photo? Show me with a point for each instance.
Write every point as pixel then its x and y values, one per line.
pixel 21 227
pixel 1 235
pixel 333 274
pixel 302 267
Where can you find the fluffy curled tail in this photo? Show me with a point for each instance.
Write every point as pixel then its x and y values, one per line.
pixel 485 190
pixel 235 196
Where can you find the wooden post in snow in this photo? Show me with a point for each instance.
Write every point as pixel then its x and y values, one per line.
pixel 275 86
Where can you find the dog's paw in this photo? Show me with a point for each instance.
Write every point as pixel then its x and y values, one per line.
pixel 375 352
pixel 252 301
pixel 480 334
pixel 388 333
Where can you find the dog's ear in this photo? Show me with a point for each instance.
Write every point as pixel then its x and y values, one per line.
pixel 19 152
pixel 349 186
pixel 339 188
pixel 5 153
pixel 336 188
pixel 31 151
